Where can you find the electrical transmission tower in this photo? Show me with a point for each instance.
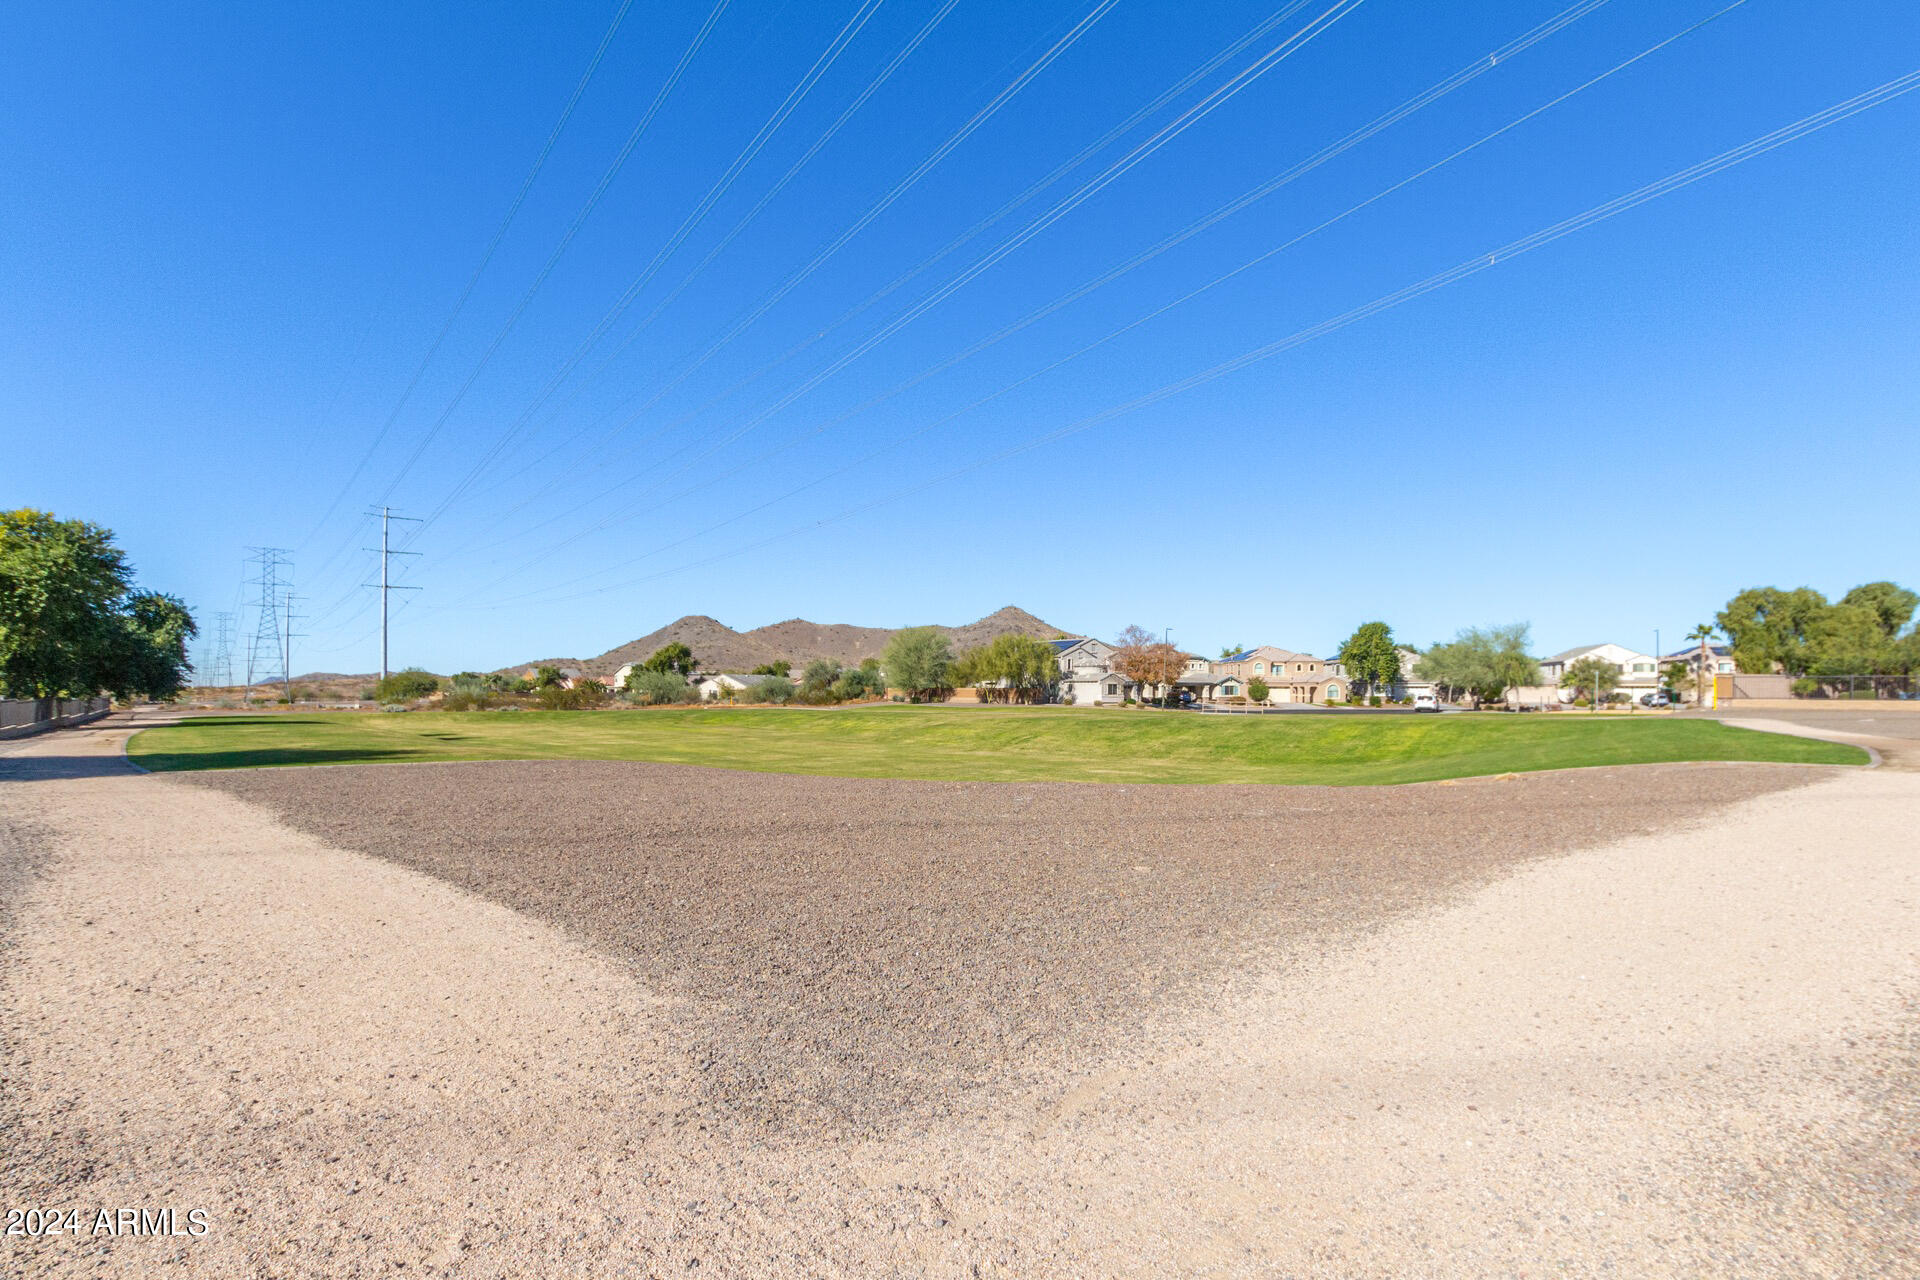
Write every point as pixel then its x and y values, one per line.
pixel 386 554
pixel 220 662
pixel 272 568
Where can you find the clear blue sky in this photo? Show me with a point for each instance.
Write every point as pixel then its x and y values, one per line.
pixel 229 236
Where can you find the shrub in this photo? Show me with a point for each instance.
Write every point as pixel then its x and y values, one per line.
pixel 394 706
pixel 585 695
pixel 1257 690
pixel 369 694
pixel 406 686
pixel 658 688
pixel 1374 701
pixel 469 692
pixel 774 689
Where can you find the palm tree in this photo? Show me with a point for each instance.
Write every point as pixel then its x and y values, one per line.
pixel 1701 634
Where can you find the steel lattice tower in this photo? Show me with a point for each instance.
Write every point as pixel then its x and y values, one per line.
pixel 266 653
pixel 219 671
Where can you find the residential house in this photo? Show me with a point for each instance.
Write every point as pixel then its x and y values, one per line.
pixel 1719 659
pixel 1410 686
pixel 718 685
pixel 1085 687
pixel 1721 670
pixel 1290 677
pixel 1638 673
pixel 1082 654
pixel 1087 677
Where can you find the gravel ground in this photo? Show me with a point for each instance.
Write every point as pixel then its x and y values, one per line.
pixel 383 1020
pixel 872 950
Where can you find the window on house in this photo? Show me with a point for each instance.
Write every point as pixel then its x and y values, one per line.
pixel 1113 688
pixel 1726 668
pixel 1259 667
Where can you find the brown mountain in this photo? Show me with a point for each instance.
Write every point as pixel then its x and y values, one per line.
pixel 720 648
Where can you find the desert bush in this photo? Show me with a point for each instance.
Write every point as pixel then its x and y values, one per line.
pixel 658 688
pixel 773 689
pixel 394 706
pixel 1374 701
pixel 405 686
pixel 470 692
pixel 584 696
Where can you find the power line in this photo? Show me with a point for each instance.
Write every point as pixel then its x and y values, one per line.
pixel 566 242
pixel 1173 129
pixel 1083 290
pixel 852 108
pixel 721 186
pixel 1815 122
pixel 781 291
pixel 486 257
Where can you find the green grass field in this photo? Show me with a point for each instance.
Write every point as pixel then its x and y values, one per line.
pixel 987 745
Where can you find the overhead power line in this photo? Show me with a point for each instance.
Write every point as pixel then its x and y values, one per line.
pixel 718 191
pixel 746 321
pixel 1159 139
pixel 559 251
pixel 1877 96
pixel 486 257
pixel 1109 276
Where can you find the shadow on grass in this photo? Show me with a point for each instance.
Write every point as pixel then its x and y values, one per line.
pixel 270 757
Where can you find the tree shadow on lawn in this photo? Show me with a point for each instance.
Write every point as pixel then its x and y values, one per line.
pixel 273 757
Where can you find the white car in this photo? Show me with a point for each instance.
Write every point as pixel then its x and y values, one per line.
pixel 1425 702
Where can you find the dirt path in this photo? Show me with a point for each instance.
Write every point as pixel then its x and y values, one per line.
pixel 1684 1053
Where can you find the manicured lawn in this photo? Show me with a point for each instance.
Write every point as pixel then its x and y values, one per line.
pixel 1013 745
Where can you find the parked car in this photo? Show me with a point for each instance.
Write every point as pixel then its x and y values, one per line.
pixel 1655 700
pixel 1425 702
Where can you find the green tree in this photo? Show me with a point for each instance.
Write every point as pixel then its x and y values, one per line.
pixel 916 660
pixel 1023 667
pixel 779 667
pixel 70 623
pixel 1679 681
pixel 817 681
pixel 1257 689
pixel 675 657
pixel 1891 603
pixel 1482 663
pixel 154 637
pixel 1371 657
pixel 1765 625
pixel 547 678
pixel 1592 676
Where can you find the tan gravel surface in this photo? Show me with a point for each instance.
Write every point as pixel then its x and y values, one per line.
pixel 382 1020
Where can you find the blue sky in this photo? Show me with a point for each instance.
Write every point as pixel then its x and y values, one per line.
pixel 231 234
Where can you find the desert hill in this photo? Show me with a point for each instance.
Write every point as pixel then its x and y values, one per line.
pixel 720 648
